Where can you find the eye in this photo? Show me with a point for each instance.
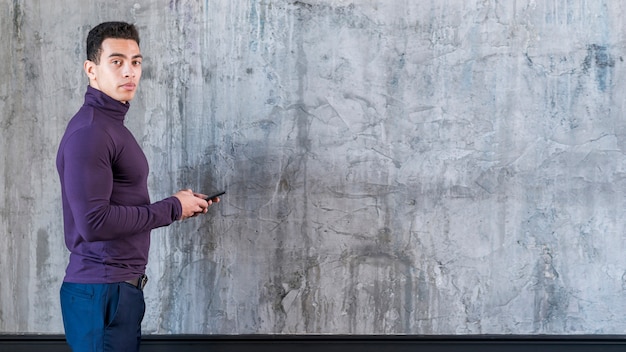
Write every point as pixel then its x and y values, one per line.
pixel 116 62
pixel 137 63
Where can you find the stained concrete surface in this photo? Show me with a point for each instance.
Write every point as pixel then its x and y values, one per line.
pixel 392 167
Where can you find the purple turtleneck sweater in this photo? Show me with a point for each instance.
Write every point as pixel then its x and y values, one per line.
pixel 106 207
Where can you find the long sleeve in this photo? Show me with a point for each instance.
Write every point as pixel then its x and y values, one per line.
pixel 100 212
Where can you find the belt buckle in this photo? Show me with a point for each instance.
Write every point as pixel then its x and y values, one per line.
pixel 141 283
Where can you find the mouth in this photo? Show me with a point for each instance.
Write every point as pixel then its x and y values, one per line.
pixel 129 86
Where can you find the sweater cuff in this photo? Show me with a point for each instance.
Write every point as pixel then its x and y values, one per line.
pixel 177 208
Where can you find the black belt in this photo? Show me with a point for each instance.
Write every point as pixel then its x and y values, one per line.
pixel 139 282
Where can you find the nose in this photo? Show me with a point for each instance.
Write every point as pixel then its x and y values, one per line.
pixel 129 70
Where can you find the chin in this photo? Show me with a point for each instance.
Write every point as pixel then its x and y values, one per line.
pixel 126 97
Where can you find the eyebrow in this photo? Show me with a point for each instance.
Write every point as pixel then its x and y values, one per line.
pixel 138 56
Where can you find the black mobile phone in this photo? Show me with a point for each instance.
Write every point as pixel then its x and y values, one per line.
pixel 215 195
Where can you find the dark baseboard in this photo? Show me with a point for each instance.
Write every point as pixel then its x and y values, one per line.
pixel 340 343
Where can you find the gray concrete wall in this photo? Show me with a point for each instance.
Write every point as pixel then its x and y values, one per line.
pixel 393 167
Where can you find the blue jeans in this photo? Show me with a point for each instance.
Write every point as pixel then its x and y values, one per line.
pixel 102 317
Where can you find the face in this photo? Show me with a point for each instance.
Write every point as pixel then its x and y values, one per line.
pixel 118 73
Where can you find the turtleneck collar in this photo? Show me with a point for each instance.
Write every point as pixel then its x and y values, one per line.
pixel 96 98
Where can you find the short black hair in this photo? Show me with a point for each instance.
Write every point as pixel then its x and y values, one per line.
pixel 115 30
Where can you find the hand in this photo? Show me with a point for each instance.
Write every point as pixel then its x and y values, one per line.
pixel 192 203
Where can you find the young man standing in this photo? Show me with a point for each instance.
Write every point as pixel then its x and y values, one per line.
pixel 107 211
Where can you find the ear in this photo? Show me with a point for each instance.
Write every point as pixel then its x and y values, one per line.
pixel 90 69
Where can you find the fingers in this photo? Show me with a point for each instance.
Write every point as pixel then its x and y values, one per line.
pixel 200 195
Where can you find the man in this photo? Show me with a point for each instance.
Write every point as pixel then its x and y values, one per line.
pixel 107 211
